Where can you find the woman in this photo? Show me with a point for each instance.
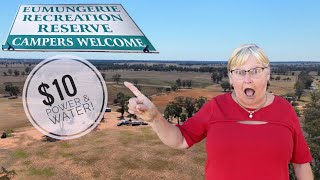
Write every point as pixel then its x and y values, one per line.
pixel 250 133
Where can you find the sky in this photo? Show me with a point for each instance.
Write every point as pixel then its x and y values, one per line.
pixel 208 30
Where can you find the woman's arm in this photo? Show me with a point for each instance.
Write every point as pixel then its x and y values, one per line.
pixel 147 111
pixel 303 171
pixel 168 133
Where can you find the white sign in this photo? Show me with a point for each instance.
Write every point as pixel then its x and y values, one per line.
pixel 65 97
pixel 73 27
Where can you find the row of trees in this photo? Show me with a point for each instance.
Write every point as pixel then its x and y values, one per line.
pixel 278 78
pixel 277 69
pixel 183 83
pixel 312 129
pixel 16 72
pixel 183 107
pixel 289 69
pixel 158 67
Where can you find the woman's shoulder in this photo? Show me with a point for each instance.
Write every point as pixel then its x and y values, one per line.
pixel 222 99
pixel 282 108
pixel 218 100
pixel 280 101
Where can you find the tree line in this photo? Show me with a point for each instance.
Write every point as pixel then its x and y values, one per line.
pixel 16 72
pixel 158 67
pixel 183 107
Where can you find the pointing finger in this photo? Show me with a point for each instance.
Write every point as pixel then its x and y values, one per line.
pixel 132 88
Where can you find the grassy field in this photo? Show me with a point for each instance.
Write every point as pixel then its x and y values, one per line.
pixel 161 78
pixel 110 154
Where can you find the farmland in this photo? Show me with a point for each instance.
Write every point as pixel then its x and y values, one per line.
pixel 110 151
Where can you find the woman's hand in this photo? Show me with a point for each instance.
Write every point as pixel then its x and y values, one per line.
pixel 141 106
pixel 147 111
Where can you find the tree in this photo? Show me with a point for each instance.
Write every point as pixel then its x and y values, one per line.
pixel 174 87
pixel 178 83
pixel 177 110
pixel 159 90
pixel 189 83
pixel 179 100
pixel 312 128
pixel 299 87
pixel 190 106
pixel 135 82
pixel 183 83
pixel 116 78
pixel 306 79
pixel 220 76
pixel 173 109
pixel 12 90
pixel 166 115
pixel 200 102
pixel 214 77
pixel 169 112
pixel 10 72
pixel 225 86
pixel 27 70
pixel 183 117
pixel 122 101
pixel 16 72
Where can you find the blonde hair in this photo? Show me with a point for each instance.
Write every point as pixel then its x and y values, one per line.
pixel 241 54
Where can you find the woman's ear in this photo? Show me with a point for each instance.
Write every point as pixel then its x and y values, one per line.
pixel 230 80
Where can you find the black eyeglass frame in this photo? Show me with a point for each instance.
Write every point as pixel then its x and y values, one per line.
pixel 250 69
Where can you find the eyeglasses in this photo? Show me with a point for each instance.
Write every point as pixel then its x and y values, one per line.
pixel 254 73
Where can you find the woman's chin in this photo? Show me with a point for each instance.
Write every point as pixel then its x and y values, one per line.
pixel 250 97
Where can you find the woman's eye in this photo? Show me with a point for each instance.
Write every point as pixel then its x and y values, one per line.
pixel 240 72
pixel 255 71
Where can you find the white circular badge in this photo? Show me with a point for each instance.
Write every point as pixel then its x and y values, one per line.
pixel 65 97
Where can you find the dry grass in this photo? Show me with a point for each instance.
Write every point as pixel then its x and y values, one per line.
pixel 161 100
pixel 282 87
pixel 124 153
pixel 12 115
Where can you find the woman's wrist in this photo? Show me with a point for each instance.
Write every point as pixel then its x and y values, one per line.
pixel 157 118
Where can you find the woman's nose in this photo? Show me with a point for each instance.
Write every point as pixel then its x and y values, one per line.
pixel 247 78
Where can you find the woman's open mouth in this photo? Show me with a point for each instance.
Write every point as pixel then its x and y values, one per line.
pixel 249 92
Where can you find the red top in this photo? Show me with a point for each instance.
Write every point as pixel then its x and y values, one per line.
pixel 247 151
